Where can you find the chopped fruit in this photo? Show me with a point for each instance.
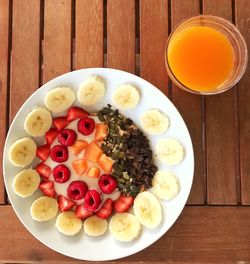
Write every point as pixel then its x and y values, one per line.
pixel 77 190
pixel 78 146
pixel 80 166
pixel 43 170
pixel 48 189
pixel 106 209
pixel 123 203
pixel 93 152
pixel 92 200
pixel 59 153
pixel 64 204
pixel 107 183
pixel 101 131
pixel 105 163
pixel 81 212
pixel 51 135
pixel 75 113
pixel 60 122
pixel 67 137
pixel 61 173
pixel 86 125
pixel 94 172
pixel 43 152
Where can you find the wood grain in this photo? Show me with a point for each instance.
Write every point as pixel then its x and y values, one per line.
pixel 190 107
pixel 243 23
pixel 153 37
pixel 89 33
pixel 121 35
pixel 57 38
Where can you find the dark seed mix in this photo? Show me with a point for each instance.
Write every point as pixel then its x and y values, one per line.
pixel 134 166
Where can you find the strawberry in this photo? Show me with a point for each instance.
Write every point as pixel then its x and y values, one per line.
pixel 51 135
pixel 81 212
pixel 43 170
pixel 75 113
pixel 123 203
pixel 60 122
pixel 47 187
pixel 106 209
pixel 43 152
pixel 64 204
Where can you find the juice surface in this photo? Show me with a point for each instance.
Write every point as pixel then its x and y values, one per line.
pixel 201 58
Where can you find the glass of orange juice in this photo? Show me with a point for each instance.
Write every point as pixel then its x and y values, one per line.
pixel 206 55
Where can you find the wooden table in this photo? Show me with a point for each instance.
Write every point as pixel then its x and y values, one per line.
pixel 40 40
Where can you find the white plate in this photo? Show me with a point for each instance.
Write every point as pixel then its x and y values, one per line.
pixel 103 248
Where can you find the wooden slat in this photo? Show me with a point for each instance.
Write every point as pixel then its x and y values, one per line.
pixel 57 38
pixel 121 34
pixel 89 33
pixel 4 52
pixel 242 16
pixel 25 52
pixel 201 234
pixel 153 37
pixel 190 106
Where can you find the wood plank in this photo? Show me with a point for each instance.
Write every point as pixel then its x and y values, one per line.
pixel 57 38
pixel 121 35
pixel 153 37
pixel 89 33
pixel 242 8
pixel 4 64
pixel 25 52
pixel 220 131
pixel 201 234
pixel 190 107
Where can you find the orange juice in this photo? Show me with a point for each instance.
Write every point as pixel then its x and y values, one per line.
pixel 201 58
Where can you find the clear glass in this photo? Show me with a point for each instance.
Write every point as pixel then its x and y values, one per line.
pixel 234 36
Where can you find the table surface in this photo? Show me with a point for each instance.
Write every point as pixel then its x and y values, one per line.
pixel 40 40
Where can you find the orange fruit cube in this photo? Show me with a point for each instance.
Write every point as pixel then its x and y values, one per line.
pixel 78 146
pixel 101 131
pixel 79 166
pixel 93 172
pixel 105 163
pixel 93 152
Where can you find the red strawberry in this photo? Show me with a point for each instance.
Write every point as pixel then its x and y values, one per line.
pixel 86 125
pixel 107 183
pixel 81 212
pixel 64 204
pixel 60 122
pixel 75 113
pixel 61 173
pixel 43 152
pixel 92 200
pixel 51 135
pixel 47 187
pixel 67 137
pixel 77 190
pixel 106 209
pixel 43 170
pixel 59 153
pixel 123 203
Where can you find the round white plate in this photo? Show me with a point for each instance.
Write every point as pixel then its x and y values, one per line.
pixel 103 248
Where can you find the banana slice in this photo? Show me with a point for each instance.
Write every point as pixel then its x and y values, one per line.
pixel 38 122
pixel 26 183
pixel 22 152
pixel 44 209
pixel 126 96
pixel 165 185
pixel 59 99
pixel 68 224
pixel 91 91
pixel 170 151
pixel 147 209
pixel 124 227
pixel 95 226
pixel 154 122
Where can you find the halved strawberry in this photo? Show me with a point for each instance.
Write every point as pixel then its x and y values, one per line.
pixel 47 187
pixel 106 209
pixel 80 166
pixel 60 122
pixel 43 170
pixel 51 135
pixel 78 146
pixel 75 113
pixel 81 212
pixel 64 204
pixel 123 203
pixel 43 152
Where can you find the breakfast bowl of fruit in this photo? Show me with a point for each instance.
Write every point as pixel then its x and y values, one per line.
pixel 98 164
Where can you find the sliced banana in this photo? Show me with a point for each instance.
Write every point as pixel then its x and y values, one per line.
pixel 68 224
pixel 126 96
pixel 154 122
pixel 170 151
pixel 59 99
pixel 26 183
pixel 147 209
pixel 124 227
pixel 95 226
pixel 22 152
pixel 44 209
pixel 165 185
pixel 92 90
pixel 38 122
